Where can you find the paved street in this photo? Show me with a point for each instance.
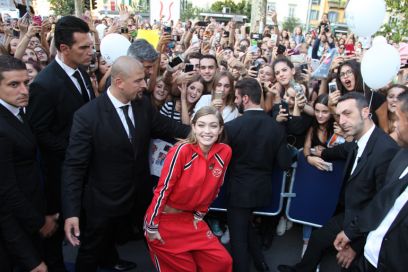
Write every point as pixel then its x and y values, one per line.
pixel 284 250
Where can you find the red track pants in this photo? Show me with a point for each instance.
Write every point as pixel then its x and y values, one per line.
pixel 187 249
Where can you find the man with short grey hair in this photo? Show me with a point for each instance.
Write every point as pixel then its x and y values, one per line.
pixel 144 52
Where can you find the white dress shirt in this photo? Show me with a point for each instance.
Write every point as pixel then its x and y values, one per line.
pixel 117 104
pixel 70 72
pixel 375 238
pixel 361 143
pixel 14 110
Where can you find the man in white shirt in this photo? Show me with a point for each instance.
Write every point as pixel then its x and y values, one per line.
pixel 385 219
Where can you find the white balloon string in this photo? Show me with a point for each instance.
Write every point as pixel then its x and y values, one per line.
pixel 369 104
pixel 371 99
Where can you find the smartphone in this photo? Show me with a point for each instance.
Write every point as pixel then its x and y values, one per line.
pixel 329 166
pixel 256 36
pixel 218 95
pixel 203 23
pixel 274 38
pixel 176 61
pixel 332 87
pixel 256 66
pixel 226 34
pixel 37 20
pixel 188 68
pixel 281 49
pixel 167 29
pixel 303 67
pixel 285 106
pixel 176 38
pixel 297 87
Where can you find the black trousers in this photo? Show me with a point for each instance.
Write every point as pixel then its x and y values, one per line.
pixel 53 254
pixel 97 242
pixel 244 240
pixel 321 242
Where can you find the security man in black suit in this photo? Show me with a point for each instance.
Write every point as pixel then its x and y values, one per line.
pixel 22 207
pixel 366 166
pixel 258 142
pixel 56 93
pixel 106 169
pixel 384 221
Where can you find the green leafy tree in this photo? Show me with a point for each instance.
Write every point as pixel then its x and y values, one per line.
pixel 242 8
pixel 397 27
pixel 190 12
pixel 290 23
pixel 62 7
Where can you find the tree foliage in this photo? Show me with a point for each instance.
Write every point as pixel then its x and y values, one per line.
pixel 62 7
pixel 397 27
pixel 290 23
pixel 190 12
pixel 242 8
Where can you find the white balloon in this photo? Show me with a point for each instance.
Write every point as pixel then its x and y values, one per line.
pixel 113 46
pixel 380 64
pixel 364 17
pixel 379 40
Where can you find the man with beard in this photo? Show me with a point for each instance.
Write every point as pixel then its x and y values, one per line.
pixel 384 221
pixel 106 165
pixel 258 142
pixel 364 175
pixel 208 69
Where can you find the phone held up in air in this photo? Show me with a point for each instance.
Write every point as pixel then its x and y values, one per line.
pixel 188 68
pixel 332 87
pixel 176 61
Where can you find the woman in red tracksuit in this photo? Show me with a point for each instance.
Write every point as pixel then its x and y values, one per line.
pixel 179 240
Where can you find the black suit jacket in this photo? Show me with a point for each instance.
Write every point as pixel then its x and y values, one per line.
pixel 368 178
pixel 53 100
pixel 257 143
pixel 22 204
pixel 101 162
pixel 394 248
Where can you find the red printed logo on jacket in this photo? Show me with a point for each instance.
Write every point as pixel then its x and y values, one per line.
pixel 217 172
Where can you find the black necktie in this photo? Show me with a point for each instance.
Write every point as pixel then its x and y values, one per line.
pixel 20 115
pixel 131 127
pixel 84 91
pixel 353 158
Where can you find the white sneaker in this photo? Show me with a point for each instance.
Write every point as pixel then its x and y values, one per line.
pixel 281 228
pixel 225 238
pixel 289 224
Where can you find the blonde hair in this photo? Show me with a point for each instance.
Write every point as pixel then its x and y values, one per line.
pixel 206 110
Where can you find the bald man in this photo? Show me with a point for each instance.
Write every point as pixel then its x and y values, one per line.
pixel 106 169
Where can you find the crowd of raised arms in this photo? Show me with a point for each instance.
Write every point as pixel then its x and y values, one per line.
pixel 187 103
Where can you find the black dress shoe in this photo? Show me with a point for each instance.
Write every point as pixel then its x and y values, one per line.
pixel 286 268
pixel 123 265
pixel 262 267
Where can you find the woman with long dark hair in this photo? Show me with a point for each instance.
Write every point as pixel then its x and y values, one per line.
pixel 349 79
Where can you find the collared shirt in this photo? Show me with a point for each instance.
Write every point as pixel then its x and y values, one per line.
pixel 14 110
pixel 70 72
pixel 117 104
pixel 361 143
pixel 254 109
pixel 375 238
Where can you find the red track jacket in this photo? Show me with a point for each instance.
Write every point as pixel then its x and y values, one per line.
pixel 188 181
